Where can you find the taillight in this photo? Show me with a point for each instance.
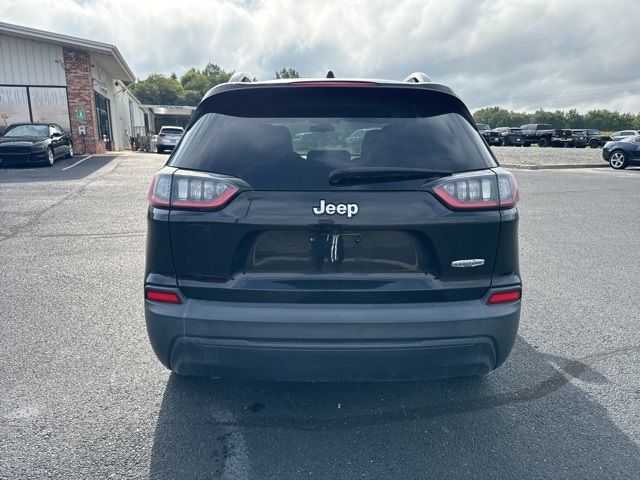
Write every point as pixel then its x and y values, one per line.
pixel 486 190
pixel 184 189
pixel 201 190
pixel 507 189
pixel 160 190
pixel 162 296
pixel 504 297
pixel 329 83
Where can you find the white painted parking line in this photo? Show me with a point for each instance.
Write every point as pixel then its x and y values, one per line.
pixel 78 162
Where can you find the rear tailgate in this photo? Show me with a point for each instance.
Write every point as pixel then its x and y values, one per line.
pixel 270 246
pixel 287 234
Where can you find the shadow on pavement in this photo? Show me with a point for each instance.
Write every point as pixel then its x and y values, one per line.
pixel 525 420
pixel 59 172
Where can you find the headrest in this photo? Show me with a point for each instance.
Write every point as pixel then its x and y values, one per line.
pixel 329 157
pixel 255 139
pixel 370 142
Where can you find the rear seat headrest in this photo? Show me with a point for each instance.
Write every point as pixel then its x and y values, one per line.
pixel 371 144
pixel 279 138
pixel 330 157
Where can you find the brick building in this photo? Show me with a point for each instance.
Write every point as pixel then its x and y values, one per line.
pixel 79 84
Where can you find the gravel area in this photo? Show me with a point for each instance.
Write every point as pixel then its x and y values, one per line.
pixel 535 157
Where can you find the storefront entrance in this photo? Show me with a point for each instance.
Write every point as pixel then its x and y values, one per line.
pixel 103 118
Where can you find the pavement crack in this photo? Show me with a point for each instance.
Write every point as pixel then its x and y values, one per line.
pixel 95 235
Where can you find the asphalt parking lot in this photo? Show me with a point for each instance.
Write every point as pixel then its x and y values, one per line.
pixel 84 397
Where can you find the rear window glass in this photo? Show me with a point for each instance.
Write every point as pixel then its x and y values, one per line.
pixel 178 131
pixel 305 138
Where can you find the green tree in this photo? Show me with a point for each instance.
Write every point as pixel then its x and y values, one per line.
pixel 196 83
pixel 605 120
pixel 287 73
pixel 157 89
pixel 216 74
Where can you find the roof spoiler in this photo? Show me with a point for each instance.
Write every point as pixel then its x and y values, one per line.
pixel 240 77
pixel 417 77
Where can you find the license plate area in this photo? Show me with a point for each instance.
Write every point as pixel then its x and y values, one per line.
pixel 310 252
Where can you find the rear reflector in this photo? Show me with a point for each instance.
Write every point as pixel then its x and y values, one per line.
pixel 504 297
pixel 161 296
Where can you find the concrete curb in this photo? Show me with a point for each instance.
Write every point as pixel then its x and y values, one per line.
pixel 108 154
pixel 557 166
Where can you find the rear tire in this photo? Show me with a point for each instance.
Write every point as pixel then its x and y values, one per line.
pixel 593 143
pixel 543 142
pixel 70 154
pixel 618 160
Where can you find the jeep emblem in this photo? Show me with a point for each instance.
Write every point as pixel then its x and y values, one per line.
pixel 348 209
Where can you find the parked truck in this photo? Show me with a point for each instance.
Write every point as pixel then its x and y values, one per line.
pixel 545 135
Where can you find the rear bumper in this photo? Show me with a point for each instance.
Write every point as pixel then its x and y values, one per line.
pixel 332 342
pixel 513 141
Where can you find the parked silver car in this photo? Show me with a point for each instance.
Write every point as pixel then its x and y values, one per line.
pixel 622 134
pixel 168 138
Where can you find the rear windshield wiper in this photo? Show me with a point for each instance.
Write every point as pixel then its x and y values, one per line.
pixel 359 175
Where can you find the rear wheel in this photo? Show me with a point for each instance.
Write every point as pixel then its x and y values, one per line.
pixel 543 142
pixel 618 160
pixel 70 154
pixel 593 143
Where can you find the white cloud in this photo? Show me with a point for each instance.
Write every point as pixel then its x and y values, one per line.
pixel 521 54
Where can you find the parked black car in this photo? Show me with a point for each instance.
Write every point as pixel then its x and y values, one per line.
pixel 492 137
pixel 510 136
pixel 595 137
pixel 34 143
pixel 545 135
pixel 622 153
pixel 579 139
pixel 268 260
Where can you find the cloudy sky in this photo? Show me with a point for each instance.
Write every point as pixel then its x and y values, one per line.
pixel 523 54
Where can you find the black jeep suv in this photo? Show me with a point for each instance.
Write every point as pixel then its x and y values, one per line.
pixel 394 258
